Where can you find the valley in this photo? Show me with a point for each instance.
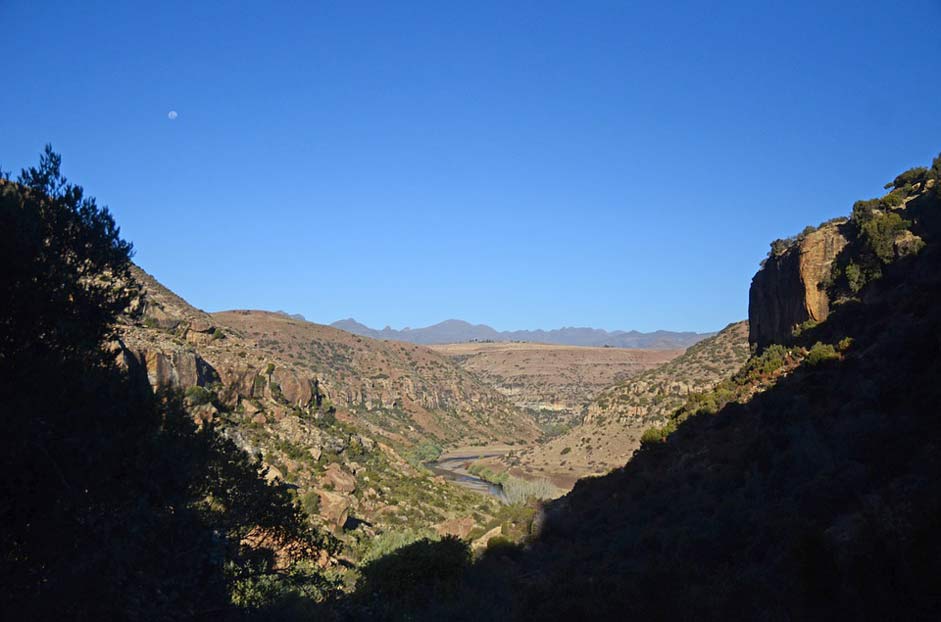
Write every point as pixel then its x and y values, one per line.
pixel 463 312
pixel 351 464
pixel 556 383
pixel 379 435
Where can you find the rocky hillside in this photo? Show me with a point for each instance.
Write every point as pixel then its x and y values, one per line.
pixel 555 382
pixel 344 418
pixel 617 418
pixel 402 391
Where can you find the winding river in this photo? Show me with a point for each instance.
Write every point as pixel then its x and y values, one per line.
pixel 454 468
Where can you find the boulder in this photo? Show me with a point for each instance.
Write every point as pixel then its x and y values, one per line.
pixel 459 527
pixel 295 389
pixel 334 507
pixel 200 325
pixel 338 479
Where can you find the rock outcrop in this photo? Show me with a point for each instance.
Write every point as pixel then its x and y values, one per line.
pixel 790 288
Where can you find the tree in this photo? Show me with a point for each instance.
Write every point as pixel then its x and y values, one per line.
pixel 114 505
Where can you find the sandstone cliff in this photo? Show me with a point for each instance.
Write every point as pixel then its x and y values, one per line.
pixel 790 289
pixel 268 362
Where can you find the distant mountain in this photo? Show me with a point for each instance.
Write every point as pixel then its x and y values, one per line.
pixel 459 331
pixel 293 316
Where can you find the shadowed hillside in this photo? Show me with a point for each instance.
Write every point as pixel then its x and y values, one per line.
pixel 804 487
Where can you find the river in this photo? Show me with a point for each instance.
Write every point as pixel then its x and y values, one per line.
pixel 454 468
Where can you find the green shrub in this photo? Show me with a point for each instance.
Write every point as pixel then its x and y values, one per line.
pixel 854 277
pixel 803 327
pixel 565 451
pixel 880 231
pixel 197 396
pixel 911 176
pixel 652 436
pixel 770 360
pixel 863 210
pixel 414 574
pixel 821 352
pixel 894 198
pixel 310 501
pixel 425 451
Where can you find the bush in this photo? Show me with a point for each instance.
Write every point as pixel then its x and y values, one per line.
pixel 879 233
pixel 310 501
pixel 820 353
pixel 863 210
pixel 652 436
pixel 911 176
pixel 854 277
pixel 197 396
pixel 770 360
pixel 565 451
pixel 425 451
pixel 415 574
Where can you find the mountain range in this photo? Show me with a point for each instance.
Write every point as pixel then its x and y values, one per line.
pixel 458 331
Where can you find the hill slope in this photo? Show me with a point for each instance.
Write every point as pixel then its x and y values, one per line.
pixel 616 419
pixel 557 382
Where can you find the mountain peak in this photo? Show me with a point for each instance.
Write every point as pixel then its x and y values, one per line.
pixel 458 331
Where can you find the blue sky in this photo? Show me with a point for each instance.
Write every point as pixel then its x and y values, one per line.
pixel 526 165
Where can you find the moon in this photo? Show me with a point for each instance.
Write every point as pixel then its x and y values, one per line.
pixel 172 115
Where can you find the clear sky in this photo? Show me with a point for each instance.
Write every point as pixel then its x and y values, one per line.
pixel 621 165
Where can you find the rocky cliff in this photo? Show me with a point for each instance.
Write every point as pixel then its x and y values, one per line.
pixel 790 289
pixel 271 363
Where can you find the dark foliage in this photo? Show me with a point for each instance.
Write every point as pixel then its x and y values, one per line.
pixel 114 506
pixel 413 575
